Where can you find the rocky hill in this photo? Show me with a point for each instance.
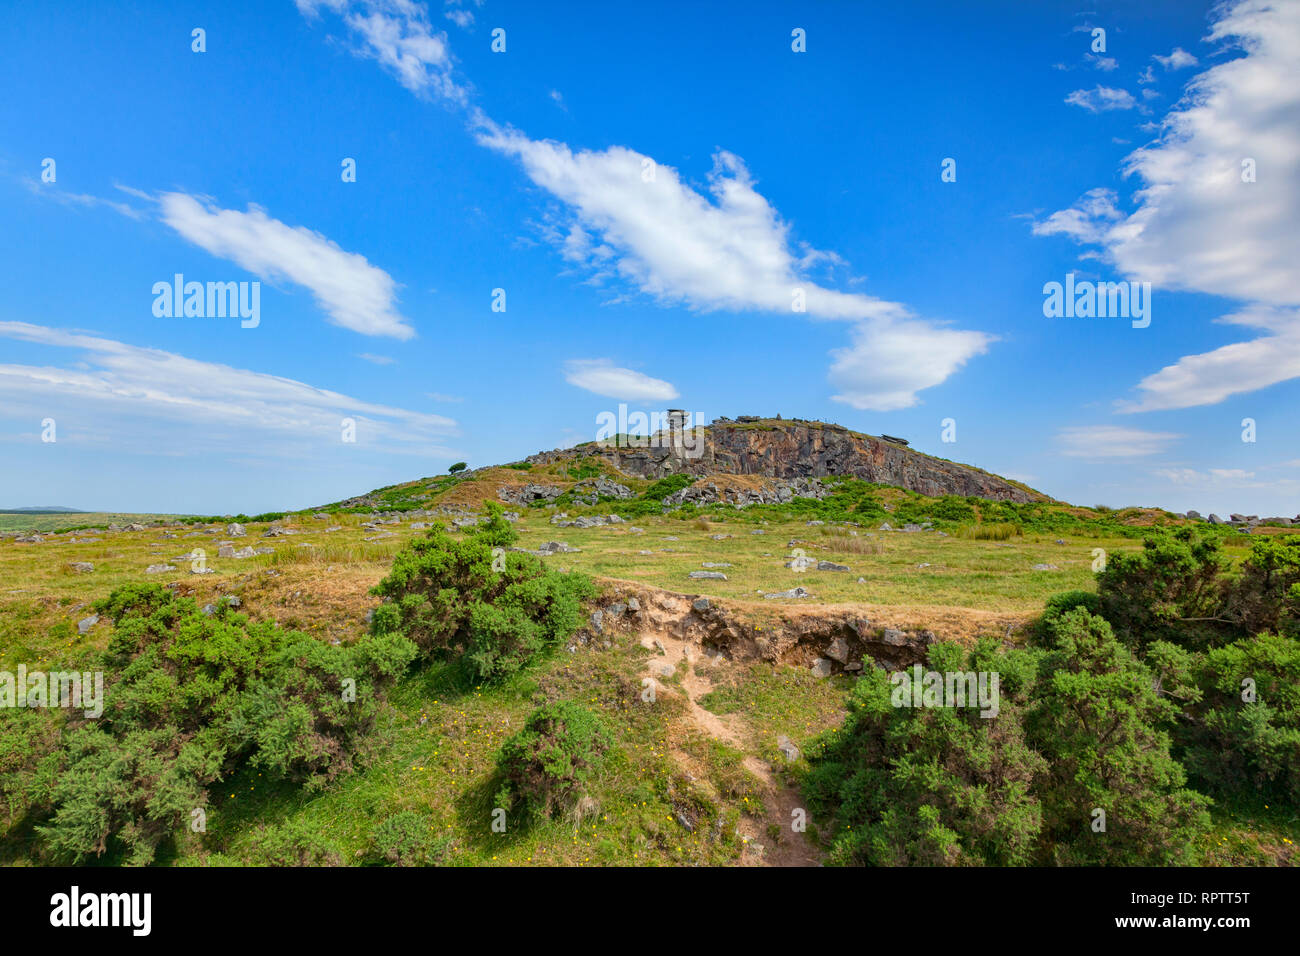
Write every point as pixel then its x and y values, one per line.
pixel 792 449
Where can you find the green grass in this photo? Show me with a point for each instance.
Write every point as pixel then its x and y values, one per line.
pixel 69 521
pixel 434 748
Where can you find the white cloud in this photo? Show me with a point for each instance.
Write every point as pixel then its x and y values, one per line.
pixel 1148 75
pixel 1176 60
pixel 1101 442
pixel 1199 227
pixel 1234 369
pixel 50 191
pixel 397 33
pixel 440 397
pixel 112 388
pixel 1086 221
pixel 352 292
pixel 604 378
pixel 377 359
pixel 637 222
pixel 886 364
pixel 459 15
pixel 1103 63
pixel 1100 99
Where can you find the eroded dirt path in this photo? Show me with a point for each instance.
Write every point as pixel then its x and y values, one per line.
pixel 779 799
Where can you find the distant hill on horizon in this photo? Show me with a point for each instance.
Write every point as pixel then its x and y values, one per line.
pixel 44 510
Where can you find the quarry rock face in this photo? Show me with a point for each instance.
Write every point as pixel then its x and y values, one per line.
pixel 792 450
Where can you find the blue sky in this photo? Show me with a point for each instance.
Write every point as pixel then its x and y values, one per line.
pixel 649 187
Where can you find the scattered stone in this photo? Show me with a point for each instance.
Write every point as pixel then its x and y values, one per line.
pixel 894 637
pixel 86 623
pixel 700 604
pixel 82 567
pixel 158 569
pixel 208 610
pixel 885 527
pixel 663 669
pixel 236 530
pixel 838 650
pixel 714 564
pixel 598 621
pixel 787 748
pixel 1045 567
pixel 633 604
pixel 708 575
pixel 790 594
pixel 557 547
pixel 822 667
pixel 831 566
pixel 234 601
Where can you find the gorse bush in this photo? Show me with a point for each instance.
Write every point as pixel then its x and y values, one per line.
pixel 447 595
pixel 1178 589
pixel 191 698
pixel 547 766
pixel 929 786
pixel 407 839
pixel 1099 719
pixel 1079 728
pixel 1222 647
pixel 1243 735
pixel 1174 590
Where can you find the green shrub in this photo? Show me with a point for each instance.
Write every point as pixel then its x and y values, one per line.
pixel 1173 590
pixel 1237 746
pixel 664 487
pixel 459 466
pixel 1267 594
pixel 1099 720
pixel 1043 633
pixel 294 843
pixel 443 593
pixel 547 766
pixel 930 786
pixel 407 839
pixel 191 698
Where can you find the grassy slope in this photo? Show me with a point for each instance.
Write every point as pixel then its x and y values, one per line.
pixel 434 748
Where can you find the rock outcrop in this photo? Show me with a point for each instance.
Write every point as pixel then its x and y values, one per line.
pixel 794 449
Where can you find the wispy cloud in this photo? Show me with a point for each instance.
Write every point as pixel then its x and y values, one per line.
pixel 1105 442
pixel 1218 207
pixel 353 293
pixel 603 377
pixel 398 34
pixel 1101 99
pixel 111 388
pixel 636 221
